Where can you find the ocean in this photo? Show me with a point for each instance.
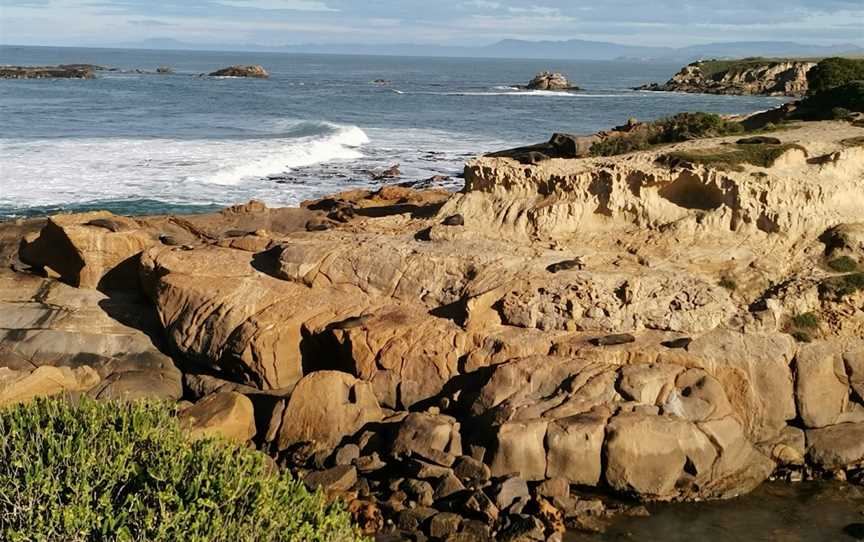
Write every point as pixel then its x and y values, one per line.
pixel 143 143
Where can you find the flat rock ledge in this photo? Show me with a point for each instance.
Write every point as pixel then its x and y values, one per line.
pixel 585 324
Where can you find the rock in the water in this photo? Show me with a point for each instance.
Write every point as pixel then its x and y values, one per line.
pixel 228 415
pixel 254 71
pixel 550 81
pixel 71 71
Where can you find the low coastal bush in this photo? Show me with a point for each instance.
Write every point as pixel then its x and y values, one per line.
pixel 842 286
pixel 840 101
pixel 843 264
pixel 127 472
pixel 728 283
pixel 731 157
pixel 675 129
pixel 834 72
pixel 808 320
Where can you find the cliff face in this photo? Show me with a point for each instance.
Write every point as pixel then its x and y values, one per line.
pixel 769 78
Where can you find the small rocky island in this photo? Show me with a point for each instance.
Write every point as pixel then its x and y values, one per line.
pixel 254 71
pixel 757 76
pixel 550 81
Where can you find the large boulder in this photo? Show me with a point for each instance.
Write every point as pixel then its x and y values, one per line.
pixel 47 323
pixel 324 408
pixel 18 387
pixel 89 250
pixel 227 415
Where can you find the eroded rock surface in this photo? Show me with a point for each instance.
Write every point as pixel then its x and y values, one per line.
pixel 672 333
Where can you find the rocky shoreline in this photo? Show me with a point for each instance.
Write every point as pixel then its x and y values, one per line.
pixel 485 365
pixel 764 77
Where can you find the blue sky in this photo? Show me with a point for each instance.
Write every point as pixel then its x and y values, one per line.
pixel 443 22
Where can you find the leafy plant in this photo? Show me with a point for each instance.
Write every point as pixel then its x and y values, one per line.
pixel 802 336
pixel 824 105
pixel 842 286
pixel 127 472
pixel 808 320
pixel 728 283
pixel 680 127
pixel 843 264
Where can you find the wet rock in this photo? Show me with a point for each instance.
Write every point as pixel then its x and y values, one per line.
pixel 855 530
pixel 254 71
pixel 550 81
pixel 390 173
pixel 47 72
pixel 337 479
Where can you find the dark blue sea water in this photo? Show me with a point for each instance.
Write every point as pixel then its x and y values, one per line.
pixel 139 142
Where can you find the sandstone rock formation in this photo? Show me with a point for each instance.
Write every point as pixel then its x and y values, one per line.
pixel 462 363
pixel 254 71
pixel 748 76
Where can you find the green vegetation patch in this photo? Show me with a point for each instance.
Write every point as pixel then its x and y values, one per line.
pixel 808 320
pixel 732 157
pixel 728 283
pixel 675 129
pixel 842 286
pixel 843 264
pixel 127 472
pixel 837 103
pixel 834 72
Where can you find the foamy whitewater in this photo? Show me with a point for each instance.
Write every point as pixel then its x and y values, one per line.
pixel 139 142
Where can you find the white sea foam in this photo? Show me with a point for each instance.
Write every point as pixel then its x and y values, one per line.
pixel 36 172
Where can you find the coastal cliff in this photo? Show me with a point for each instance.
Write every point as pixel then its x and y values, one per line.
pixel 739 77
pixel 663 324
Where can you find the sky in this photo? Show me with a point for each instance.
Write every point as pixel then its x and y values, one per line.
pixel 441 22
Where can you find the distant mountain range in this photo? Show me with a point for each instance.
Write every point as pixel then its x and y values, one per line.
pixel 558 50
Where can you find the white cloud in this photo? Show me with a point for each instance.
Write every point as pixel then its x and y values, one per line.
pixel 295 5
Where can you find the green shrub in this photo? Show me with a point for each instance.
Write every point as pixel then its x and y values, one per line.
pixel 802 336
pixel 843 264
pixel 824 104
pixel 731 157
pixel 680 127
pixel 728 283
pixel 808 320
pixel 834 72
pixel 842 286
pixel 127 472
